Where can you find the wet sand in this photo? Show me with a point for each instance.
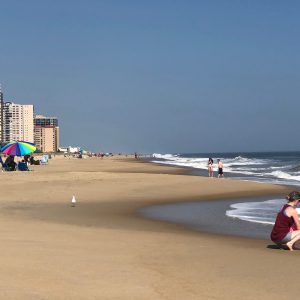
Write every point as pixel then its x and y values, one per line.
pixel 210 217
pixel 103 249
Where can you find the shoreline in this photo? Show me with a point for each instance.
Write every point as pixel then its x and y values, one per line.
pixel 230 226
pixel 210 217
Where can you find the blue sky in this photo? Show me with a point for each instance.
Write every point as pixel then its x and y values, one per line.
pixel 157 76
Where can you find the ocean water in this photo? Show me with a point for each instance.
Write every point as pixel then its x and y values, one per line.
pixel 269 167
pixel 213 216
pixel 272 167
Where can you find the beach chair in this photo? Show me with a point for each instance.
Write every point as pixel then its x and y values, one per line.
pixel 44 160
pixel 22 166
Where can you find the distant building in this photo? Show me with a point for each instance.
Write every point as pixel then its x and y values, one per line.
pixel 18 122
pixel 73 149
pixel 1 115
pixel 63 149
pixel 46 133
pixel 70 149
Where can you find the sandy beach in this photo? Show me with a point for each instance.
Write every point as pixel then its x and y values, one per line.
pixel 103 249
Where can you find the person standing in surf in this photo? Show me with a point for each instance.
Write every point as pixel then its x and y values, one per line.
pixel 286 230
pixel 220 169
pixel 210 167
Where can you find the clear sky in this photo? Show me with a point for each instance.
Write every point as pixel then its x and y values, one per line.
pixel 157 76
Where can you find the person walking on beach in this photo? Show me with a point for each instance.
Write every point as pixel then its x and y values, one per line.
pixel 220 169
pixel 210 167
pixel 286 230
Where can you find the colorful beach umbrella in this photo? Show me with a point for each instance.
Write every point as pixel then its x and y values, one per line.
pixel 20 148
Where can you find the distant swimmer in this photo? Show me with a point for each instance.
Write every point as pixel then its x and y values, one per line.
pixel 220 168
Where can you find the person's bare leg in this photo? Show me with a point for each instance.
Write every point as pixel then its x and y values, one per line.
pixel 295 238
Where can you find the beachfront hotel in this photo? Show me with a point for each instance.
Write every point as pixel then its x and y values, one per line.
pixel 17 122
pixel 46 133
pixel 1 114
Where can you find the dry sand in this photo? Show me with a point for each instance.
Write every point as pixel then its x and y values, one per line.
pixel 102 249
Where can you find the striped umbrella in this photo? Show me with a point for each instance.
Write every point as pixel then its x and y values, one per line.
pixel 20 148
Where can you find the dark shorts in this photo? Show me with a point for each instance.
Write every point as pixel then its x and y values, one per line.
pixel 220 171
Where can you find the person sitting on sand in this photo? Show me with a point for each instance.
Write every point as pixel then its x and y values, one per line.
pixel 22 165
pixel 286 230
pixel 10 163
pixel 26 158
pixel 33 161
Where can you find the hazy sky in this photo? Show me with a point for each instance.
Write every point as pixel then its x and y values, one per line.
pixel 157 76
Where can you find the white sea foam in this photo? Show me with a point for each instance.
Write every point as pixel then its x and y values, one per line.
pixel 263 212
pixel 285 175
pixel 265 169
pixel 164 156
pixel 259 212
pixel 193 162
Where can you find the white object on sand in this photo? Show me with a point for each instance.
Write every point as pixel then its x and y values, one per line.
pixel 73 201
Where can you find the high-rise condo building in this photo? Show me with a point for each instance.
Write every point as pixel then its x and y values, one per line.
pixel 46 133
pixel 18 122
pixel 1 115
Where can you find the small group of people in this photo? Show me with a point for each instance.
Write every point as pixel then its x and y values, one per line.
pixel 211 169
pixel 10 165
pixel 29 159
